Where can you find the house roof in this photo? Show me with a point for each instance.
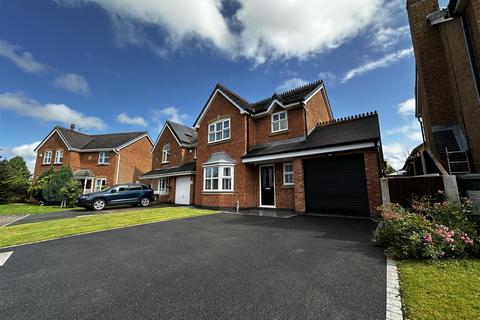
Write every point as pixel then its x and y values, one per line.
pixel 186 168
pixel 184 134
pixel 292 96
pixel 82 141
pixel 356 129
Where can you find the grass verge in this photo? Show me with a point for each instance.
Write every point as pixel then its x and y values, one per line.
pixel 440 290
pixel 25 208
pixel 38 231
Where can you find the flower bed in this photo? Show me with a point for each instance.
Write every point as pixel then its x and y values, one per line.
pixel 431 229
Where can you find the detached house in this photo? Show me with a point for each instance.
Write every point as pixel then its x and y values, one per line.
pixel 284 152
pixel 96 160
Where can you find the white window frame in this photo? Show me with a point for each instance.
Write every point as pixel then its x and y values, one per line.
pixel 102 185
pixel 163 186
pixel 221 131
pixel 47 157
pixel 220 178
pixel 165 153
pixel 279 121
pixel 58 157
pixel 103 157
pixel 285 173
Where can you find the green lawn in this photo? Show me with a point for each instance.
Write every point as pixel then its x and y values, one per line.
pixel 24 208
pixel 32 232
pixel 440 290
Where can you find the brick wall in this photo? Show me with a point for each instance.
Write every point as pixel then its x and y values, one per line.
pixel 53 144
pixel 135 160
pixel 317 110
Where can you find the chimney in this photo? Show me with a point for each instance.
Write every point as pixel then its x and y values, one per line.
pixel 72 126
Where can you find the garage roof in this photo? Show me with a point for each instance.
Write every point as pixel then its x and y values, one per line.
pixel 184 169
pixel 356 129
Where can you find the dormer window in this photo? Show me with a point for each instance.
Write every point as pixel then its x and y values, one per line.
pixel 165 153
pixel 103 157
pixel 219 130
pixel 279 121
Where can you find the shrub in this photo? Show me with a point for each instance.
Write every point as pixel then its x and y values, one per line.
pixel 428 230
pixel 56 187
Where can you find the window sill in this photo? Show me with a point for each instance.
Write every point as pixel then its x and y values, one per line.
pixel 102 164
pixel 219 142
pixel 276 133
pixel 46 164
pixel 217 192
pixel 57 163
pixel 166 162
pixel 288 186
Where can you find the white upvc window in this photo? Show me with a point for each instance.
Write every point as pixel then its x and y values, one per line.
pixel 47 157
pixel 100 184
pixel 288 173
pixel 165 153
pixel 103 157
pixel 162 187
pixel 279 121
pixel 58 156
pixel 219 130
pixel 218 178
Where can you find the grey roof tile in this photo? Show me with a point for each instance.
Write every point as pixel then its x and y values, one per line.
pixel 79 140
pixel 186 135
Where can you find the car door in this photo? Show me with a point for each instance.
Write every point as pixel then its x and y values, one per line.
pixel 134 193
pixel 119 196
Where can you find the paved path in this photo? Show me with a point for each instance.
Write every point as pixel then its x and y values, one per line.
pixel 7 220
pixel 223 266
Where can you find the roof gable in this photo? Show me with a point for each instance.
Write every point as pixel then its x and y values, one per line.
pixel 185 136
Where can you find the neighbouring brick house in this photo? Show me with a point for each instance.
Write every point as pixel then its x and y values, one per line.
pixel 173 164
pixel 96 160
pixel 446 43
pixel 284 152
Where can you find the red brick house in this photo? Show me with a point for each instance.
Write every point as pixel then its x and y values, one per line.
pixel 96 160
pixel 446 43
pixel 284 152
pixel 173 164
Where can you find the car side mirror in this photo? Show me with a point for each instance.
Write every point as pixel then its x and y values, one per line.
pixel 113 191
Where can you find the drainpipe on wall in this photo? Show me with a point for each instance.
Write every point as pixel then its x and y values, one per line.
pixel 118 166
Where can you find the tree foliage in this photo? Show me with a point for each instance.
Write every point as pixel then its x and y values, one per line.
pixel 14 179
pixel 56 186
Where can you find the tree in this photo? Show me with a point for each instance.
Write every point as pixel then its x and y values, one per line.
pixel 36 189
pixel 14 179
pixel 70 191
pixel 57 186
pixel 51 192
pixel 389 169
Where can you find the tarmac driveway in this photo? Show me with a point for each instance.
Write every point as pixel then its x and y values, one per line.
pixel 223 266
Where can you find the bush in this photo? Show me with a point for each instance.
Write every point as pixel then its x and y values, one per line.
pixel 56 187
pixel 428 230
pixel 70 191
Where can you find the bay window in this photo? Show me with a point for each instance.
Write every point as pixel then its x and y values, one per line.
pixel 219 130
pixel 218 178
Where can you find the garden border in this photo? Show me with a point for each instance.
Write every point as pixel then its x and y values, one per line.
pixel 394 300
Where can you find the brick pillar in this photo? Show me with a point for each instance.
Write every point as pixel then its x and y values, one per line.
pixel 299 186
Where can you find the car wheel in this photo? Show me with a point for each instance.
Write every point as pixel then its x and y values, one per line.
pixel 98 205
pixel 144 202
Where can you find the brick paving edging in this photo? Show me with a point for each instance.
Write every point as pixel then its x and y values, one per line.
pixel 394 301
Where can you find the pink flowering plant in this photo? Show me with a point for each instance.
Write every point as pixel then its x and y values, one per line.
pixel 432 228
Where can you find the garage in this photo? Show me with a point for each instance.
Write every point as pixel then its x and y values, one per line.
pixel 336 185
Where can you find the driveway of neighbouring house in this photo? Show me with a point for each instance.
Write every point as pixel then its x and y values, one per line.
pixel 223 266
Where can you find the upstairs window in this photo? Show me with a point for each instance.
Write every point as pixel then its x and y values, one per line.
pixel 279 121
pixel 288 173
pixel 47 157
pixel 165 153
pixel 219 130
pixel 58 156
pixel 103 157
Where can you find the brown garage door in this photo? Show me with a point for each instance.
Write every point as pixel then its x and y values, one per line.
pixel 336 185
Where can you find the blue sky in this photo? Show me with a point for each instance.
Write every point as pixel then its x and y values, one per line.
pixel 129 65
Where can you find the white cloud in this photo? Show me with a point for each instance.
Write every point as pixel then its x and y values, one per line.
pixel 407 107
pixel 126 119
pixel 383 62
pixel 410 130
pixel 385 37
pixel 396 154
pixel 299 29
pixel 25 151
pixel 50 112
pixel 72 82
pixel 258 30
pixel 291 83
pixel 24 60
pixel 169 113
